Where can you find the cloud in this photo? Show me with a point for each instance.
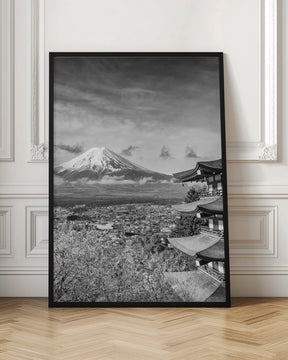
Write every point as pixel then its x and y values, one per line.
pixel 112 180
pixel 58 180
pixel 129 151
pixel 144 180
pixel 151 91
pixel 165 153
pixel 121 180
pixel 74 149
pixel 190 152
pixel 108 180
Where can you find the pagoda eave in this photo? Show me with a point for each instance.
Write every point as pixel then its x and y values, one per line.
pixel 201 170
pixel 191 245
pixel 216 252
pixel 212 207
pixel 191 208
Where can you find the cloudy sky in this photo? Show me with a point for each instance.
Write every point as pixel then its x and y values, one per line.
pixel 161 113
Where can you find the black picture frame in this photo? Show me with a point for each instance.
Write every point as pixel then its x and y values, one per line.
pixel 52 57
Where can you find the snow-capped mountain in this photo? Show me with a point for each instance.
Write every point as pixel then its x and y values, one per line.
pixel 96 163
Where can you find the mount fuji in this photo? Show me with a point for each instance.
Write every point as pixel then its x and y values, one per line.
pixel 97 163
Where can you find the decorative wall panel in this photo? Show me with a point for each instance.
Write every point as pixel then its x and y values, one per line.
pixel 253 231
pixel 7 80
pixel 266 148
pixel 39 145
pixel 5 231
pixel 36 231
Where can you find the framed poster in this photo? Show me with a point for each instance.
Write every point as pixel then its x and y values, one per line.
pixel 138 189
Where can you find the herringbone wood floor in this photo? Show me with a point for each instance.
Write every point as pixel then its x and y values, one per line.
pixel 255 329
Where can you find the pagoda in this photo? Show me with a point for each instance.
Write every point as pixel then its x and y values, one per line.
pixel 208 171
pixel 207 247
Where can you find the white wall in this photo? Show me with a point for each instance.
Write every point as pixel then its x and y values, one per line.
pixel 258 190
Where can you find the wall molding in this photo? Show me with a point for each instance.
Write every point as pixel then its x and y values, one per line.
pixel 266 148
pixel 7 80
pixel 24 270
pixel 36 231
pixel 235 190
pixel 256 255
pixel 261 218
pixel 259 270
pixel 265 247
pixel 39 137
pixel 258 190
pixel 5 231
pixel 235 270
pixel 23 191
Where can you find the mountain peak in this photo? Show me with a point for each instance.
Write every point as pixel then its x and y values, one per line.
pixel 98 160
pixel 96 163
pixel 97 149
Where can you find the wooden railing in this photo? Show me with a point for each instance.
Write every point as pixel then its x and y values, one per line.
pixel 214 273
pixel 210 231
pixel 207 194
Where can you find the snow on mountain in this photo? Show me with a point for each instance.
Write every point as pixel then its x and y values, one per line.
pixel 97 163
pixel 98 160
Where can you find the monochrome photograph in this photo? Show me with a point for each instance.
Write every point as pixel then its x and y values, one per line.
pixel 138 182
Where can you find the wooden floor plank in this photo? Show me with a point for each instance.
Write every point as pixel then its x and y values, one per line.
pixel 255 329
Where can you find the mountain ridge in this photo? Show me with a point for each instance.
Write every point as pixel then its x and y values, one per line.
pixel 98 163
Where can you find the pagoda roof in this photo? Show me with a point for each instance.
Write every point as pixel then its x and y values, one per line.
pixel 195 285
pixel 216 252
pixel 191 245
pixel 190 208
pixel 214 207
pixel 219 295
pixel 202 169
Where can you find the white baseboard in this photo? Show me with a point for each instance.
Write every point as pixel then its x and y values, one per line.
pixel 259 286
pixel 241 285
pixel 23 285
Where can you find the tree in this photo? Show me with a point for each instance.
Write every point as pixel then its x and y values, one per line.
pixel 192 195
